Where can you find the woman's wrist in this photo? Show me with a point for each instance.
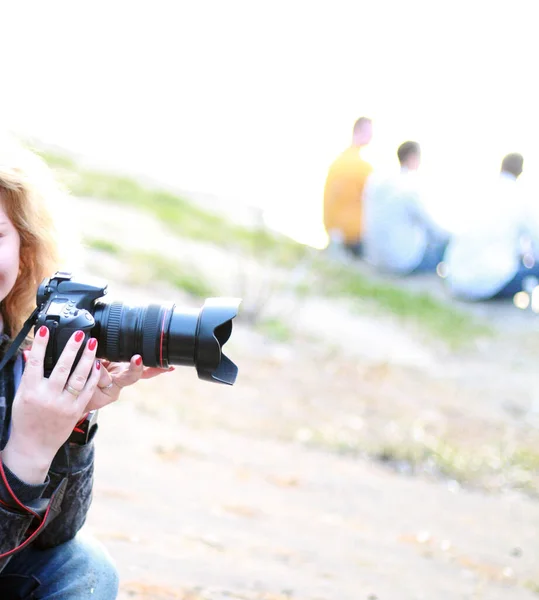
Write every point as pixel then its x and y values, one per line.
pixel 29 466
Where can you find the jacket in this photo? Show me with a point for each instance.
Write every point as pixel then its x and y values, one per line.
pixel 49 514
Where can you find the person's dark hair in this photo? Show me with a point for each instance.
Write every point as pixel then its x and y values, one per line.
pixel 360 123
pixel 406 149
pixel 513 163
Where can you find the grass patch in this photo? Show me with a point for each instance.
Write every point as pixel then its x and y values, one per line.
pixel 144 267
pixel 436 317
pixel 180 277
pixel 58 161
pixel 182 216
pixel 488 467
pixel 104 246
pixel 533 586
pixel 526 458
pixel 275 329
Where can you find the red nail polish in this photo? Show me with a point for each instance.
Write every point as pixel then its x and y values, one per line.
pixel 138 361
pixel 42 331
pixel 78 336
pixel 98 364
pixel 92 344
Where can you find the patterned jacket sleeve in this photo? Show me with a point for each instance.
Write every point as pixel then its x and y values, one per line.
pixel 76 499
pixel 13 528
pixel 49 514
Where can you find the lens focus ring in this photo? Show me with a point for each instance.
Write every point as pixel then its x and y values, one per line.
pixel 112 351
pixel 151 335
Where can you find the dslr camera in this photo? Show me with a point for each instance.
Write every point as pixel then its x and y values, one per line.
pixel 163 334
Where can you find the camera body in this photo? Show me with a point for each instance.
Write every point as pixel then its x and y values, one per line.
pixel 162 334
pixel 66 306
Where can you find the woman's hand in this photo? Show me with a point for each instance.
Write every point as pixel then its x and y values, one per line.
pixel 115 376
pixel 45 410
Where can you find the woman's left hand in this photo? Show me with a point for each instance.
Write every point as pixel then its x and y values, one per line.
pixel 115 376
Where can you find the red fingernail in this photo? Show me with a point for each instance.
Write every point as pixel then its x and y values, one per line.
pixel 43 331
pixel 92 344
pixel 138 361
pixel 78 336
pixel 98 364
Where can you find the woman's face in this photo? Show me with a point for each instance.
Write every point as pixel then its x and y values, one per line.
pixel 9 253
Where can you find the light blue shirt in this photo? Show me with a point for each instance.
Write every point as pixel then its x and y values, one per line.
pixel 397 227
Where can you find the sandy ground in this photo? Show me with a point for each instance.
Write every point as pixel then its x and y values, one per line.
pixel 206 491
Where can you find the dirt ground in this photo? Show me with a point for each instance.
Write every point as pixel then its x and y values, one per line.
pixel 212 492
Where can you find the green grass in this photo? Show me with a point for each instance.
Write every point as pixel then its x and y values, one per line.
pixel 143 267
pixel 439 319
pixel 104 246
pixel 183 217
pixel 488 467
pixel 58 161
pixel 275 329
pixel 533 586
pixel 526 458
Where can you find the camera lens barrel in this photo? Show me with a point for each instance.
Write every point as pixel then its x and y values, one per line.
pixel 164 335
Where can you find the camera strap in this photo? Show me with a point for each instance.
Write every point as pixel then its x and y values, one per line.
pixel 16 343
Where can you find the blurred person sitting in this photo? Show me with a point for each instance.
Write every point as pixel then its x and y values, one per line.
pixel 343 191
pixel 495 255
pixel 400 235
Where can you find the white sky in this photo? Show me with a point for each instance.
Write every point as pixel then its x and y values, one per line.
pixel 252 100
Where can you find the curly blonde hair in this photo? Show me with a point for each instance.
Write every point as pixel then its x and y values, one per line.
pixel 27 187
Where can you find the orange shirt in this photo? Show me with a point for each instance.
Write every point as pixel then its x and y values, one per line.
pixel 343 193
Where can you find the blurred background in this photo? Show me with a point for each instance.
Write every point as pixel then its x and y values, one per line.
pixel 381 442
pixel 252 102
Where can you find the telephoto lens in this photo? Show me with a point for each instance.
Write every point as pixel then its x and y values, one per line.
pixel 166 335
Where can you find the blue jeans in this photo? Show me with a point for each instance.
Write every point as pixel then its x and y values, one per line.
pixel 515 285
pixel 434 255
pixel 77 570
pixel 355 249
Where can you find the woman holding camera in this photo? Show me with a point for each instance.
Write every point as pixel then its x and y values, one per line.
pixel 46 441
